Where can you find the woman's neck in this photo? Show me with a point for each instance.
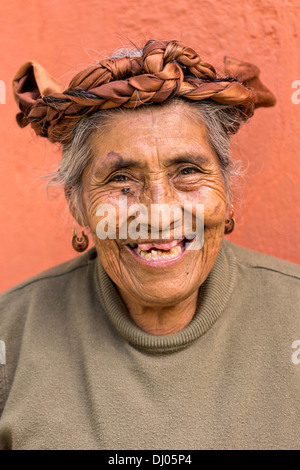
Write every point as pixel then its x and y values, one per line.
pixel 161 320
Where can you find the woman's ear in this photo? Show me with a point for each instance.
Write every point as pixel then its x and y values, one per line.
pixel 75 206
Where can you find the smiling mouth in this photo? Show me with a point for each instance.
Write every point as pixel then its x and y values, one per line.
pixel 159 253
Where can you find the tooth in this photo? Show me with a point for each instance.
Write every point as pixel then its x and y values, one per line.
pixel 174 250
pixel 178 248
pixel 165 255
pixel 142 253
pixel 148 256
pixel 159 253
pixel 154 254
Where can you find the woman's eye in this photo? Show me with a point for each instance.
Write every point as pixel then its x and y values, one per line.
pixel 188 171
pixel 119 178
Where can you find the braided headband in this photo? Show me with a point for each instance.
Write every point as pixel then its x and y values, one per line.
pixel 165 69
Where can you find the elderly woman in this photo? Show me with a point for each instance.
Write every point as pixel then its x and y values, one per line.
pixel 150 342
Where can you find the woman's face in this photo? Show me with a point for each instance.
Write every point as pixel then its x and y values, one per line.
pixel 157 155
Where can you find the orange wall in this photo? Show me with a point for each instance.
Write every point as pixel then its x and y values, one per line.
pixel 65 35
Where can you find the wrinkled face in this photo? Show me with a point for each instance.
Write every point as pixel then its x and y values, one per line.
pixel 158 155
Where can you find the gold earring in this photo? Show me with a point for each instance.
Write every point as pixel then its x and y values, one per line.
pixel 229 223
pixel 80 244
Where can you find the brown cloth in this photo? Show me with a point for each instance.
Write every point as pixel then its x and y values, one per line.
pixel 165 69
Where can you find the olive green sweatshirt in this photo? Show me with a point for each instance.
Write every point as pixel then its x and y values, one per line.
pixel 77 373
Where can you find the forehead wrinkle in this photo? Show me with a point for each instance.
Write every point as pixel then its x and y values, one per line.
pixel 179 154
pixel 98 164
pixel 112 159
pixel 152 149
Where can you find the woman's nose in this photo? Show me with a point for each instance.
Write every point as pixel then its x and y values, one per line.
pixel 164 209
pixel 157 190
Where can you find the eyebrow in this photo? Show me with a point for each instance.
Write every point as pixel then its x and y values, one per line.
pixel 118 165
pixel 187 159
pixel 127 163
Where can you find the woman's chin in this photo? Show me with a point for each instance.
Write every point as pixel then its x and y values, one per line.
pixel 166 281
pixel 160 294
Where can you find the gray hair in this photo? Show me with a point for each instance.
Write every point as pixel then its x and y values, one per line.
pixel 77 154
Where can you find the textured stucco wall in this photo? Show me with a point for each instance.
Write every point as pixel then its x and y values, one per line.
pixel 65 35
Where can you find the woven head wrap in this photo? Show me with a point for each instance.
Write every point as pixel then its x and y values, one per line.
pixel 165 69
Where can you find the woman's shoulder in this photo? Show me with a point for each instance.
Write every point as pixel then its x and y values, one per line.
pixel 260 261
pixel 52 276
